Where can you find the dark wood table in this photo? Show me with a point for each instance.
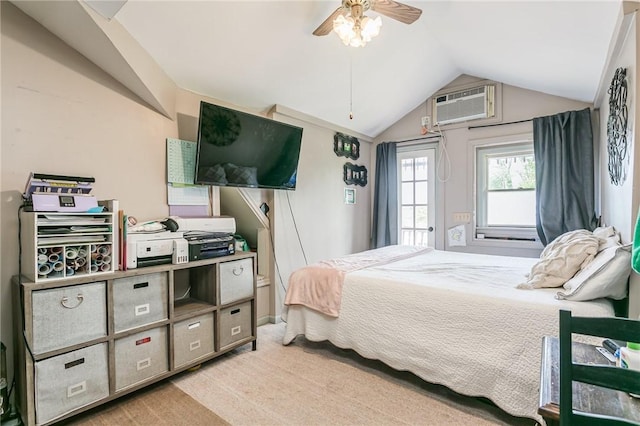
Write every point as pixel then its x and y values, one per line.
pixel 593 399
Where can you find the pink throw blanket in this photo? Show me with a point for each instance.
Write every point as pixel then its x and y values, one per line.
pixel 319 286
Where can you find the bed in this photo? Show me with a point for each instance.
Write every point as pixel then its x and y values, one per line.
pixel 451 318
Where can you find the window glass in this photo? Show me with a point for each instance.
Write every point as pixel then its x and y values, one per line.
pixel 505 191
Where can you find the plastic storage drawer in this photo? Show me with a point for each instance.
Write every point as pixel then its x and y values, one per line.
pixel 141 356
pixel 236 280
pixel 69 381
pixel 192 339
pixel 235 323
pixel 139 300
pixel 65 316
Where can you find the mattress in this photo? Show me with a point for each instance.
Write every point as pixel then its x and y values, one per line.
pixel 451 318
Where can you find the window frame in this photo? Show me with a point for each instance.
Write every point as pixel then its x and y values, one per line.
pixel 521 235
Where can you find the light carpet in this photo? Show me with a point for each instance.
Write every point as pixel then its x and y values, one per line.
pixel 308 383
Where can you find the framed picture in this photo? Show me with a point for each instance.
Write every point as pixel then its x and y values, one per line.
pixel 354 174
pixel 349 196
pixel 346 146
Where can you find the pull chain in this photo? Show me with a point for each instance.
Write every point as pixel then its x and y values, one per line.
pixel 350 87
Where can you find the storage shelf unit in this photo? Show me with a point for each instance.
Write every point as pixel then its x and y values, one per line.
pixel 62 245
pixel 90 339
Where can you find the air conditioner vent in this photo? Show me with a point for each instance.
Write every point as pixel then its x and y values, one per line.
pixel 464 105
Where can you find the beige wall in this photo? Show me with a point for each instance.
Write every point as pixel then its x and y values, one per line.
pixel 327 227
pixel 61 114
pixel 456 193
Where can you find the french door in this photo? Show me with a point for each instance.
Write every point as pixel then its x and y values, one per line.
pixel 416 197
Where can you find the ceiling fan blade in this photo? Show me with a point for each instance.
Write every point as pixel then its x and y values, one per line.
pixel 395 10
pixel 326 27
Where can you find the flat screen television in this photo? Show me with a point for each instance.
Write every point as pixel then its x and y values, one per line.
pixel 245 150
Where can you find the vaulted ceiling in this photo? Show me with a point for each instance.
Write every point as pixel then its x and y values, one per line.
pixel 256 54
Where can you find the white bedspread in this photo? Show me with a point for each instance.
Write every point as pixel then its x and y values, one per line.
pixel 451 318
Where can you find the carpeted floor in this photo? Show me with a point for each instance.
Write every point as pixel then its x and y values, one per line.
pixel 305 383
pixel 161 404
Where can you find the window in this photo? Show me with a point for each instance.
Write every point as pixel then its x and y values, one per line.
pixel 506 192
pixel 416 180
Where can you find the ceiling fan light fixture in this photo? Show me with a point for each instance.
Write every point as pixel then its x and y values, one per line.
pixel 356 32
pixel 370 27
pixel 343 26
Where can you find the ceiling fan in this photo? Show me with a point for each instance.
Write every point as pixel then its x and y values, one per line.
pixel 355 28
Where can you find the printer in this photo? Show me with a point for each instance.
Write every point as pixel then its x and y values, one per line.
pixel 194 239
pixel 208 237
pixel 213 224
pixel 158 248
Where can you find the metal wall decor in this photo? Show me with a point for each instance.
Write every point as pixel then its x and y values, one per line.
pixel 354 174
pixel 346 146
pixel 617 147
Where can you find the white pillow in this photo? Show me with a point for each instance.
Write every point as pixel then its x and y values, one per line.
pixel 562 258
pixel 605 276
pixel 610 237
pixel 605 231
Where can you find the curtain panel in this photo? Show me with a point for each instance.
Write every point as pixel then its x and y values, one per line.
pixel 385 197
pixel 563 150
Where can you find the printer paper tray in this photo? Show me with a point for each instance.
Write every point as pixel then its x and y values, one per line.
pixel 153 261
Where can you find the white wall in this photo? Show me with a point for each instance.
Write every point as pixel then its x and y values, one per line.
pixel 456 194
pixel 61 114
pixel 620 204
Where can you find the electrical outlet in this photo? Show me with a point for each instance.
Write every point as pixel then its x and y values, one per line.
pixel 463 217
pixel 426 122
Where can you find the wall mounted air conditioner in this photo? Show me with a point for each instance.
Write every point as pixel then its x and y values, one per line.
pixel 464 105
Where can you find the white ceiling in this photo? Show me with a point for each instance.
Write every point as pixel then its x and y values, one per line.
pixel 256 54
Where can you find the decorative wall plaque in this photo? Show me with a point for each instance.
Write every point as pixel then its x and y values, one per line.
pixel 617 147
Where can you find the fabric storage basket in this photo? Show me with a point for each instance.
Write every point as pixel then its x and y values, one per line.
pixel 236 280
pixel 139 300
pixel 192 339
pixel 141 356
pixel 69 381
pixel 235 323
pixel 65 316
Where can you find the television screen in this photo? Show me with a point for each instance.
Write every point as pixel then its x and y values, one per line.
pixel 241 149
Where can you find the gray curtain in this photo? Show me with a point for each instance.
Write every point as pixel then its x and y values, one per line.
pixel 385 197
pixel 563 150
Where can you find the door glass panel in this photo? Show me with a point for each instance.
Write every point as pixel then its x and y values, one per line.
pixel 407 169
pixel 407 217
pixel 407 192
pixel 421 168
pixel 421 192
pixel 407 237
pixel 421 238
pixel 422 217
